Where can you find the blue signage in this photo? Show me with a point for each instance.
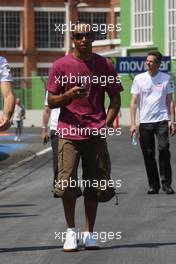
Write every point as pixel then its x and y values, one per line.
pixel 137 64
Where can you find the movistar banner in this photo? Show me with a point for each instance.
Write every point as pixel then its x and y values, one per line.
pixel 137 64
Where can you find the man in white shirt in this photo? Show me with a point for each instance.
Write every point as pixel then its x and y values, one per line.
pixel 6 90
pixel 152 92
pixel 53 115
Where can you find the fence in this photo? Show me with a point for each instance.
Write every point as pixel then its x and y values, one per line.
pixel 31 91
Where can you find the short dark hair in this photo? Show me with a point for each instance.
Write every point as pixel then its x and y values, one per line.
pixel 157 54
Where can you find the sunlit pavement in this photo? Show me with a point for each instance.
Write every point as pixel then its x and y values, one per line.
pixel 31 219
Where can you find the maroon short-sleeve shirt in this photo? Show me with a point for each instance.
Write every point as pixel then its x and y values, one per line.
pixel 99 76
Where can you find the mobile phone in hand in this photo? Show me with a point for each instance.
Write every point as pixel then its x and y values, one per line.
pixel 82 89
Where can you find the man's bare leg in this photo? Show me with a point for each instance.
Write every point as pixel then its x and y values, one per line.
pixel 69 209
pixel 90 213
pixel 90 216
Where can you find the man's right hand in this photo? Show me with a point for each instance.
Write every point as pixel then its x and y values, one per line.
pixel 133 129
pixel 76 92
pixel 64 99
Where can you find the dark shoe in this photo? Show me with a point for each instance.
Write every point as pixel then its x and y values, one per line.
pixel 167 189
pixel 153 190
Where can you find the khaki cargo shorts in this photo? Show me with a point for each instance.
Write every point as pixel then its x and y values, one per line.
pixel 96 167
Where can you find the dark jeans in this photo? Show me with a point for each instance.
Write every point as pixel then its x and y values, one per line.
pixel 54 145
pixel 148 131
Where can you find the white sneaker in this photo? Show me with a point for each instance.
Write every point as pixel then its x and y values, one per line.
pixel 89 241
pixel 19 139
pixel 15 138
pixel 70 244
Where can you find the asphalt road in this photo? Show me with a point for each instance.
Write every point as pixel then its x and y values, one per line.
pixel 30 217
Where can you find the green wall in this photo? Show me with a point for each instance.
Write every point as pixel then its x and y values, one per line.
pixel 38 93
pixel 173 65
pixel 158 24
pixel 125 19
pixel 126 95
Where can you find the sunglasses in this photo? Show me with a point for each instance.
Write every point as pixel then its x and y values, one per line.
pixel 79 36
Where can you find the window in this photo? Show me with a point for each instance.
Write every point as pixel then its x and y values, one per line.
pixel 95 18
pixel 45 34
pixel 141 22
pixel 43 72
pixel 9 29
pixel 171 27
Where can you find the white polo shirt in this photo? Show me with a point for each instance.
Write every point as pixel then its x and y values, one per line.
pixel 5 75
pixel 152 96
pixel 54 115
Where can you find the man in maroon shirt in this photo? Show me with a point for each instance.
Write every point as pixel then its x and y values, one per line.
pixel 77 83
